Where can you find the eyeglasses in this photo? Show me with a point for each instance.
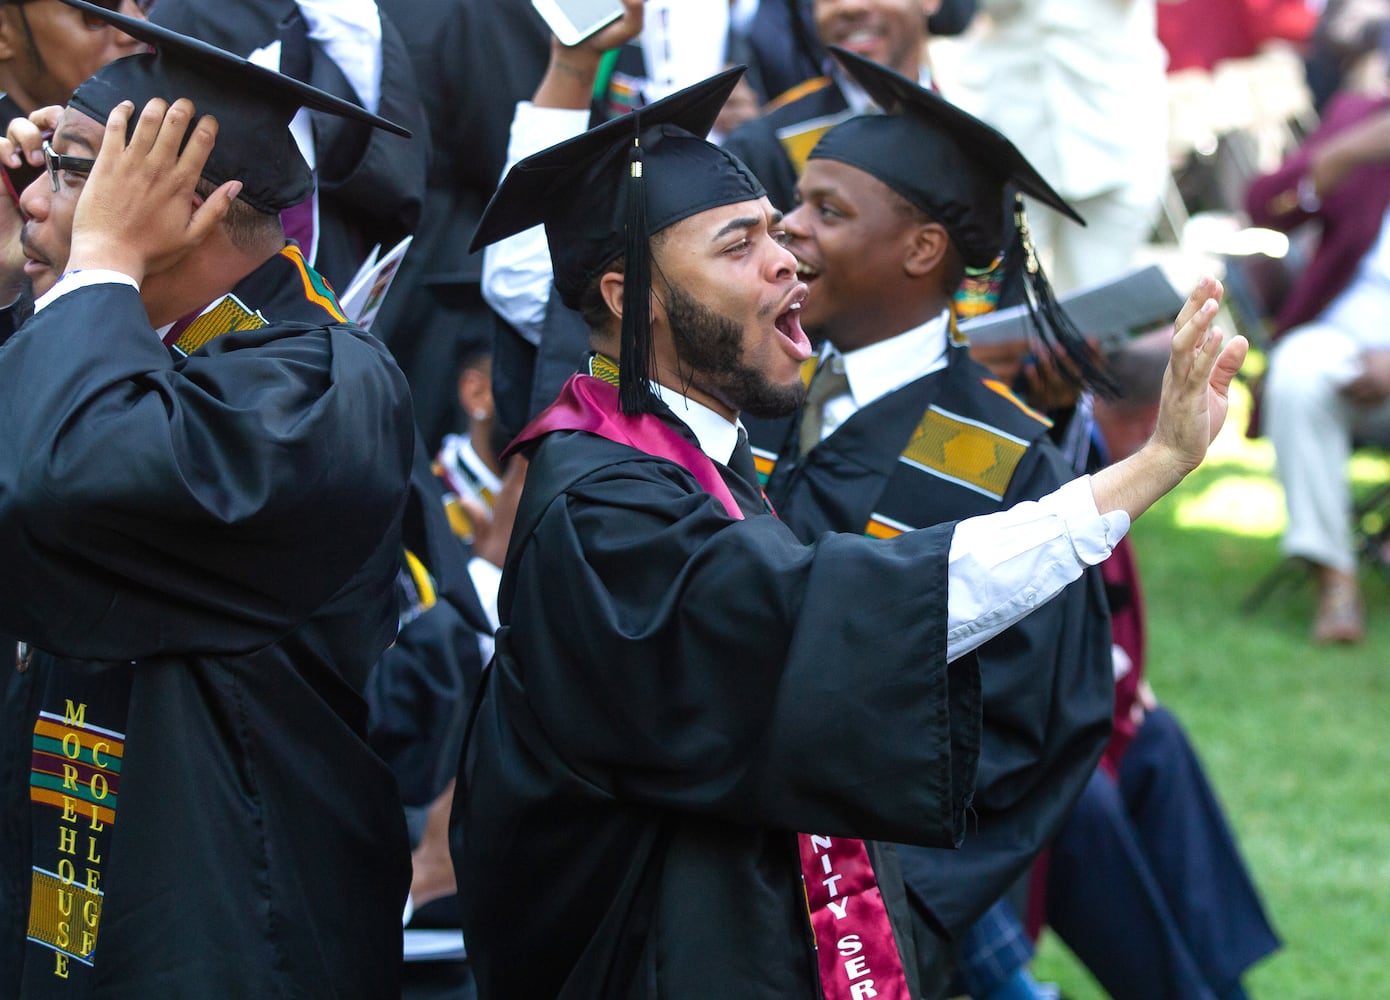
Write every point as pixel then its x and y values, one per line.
pixel 93 22
pixel 57 161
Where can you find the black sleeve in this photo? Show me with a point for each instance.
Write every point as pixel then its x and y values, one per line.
pixel 418 697
pixel 1048 694
pixel 150 508
pixel 673 656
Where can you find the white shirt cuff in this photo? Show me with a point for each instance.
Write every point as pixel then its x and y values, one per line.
pixel 534 129
pixel 1006 564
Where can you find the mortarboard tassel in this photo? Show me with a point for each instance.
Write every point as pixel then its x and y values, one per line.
pixel 1077 363
pixel 635 354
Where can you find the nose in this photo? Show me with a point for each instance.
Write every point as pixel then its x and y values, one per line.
pixel 781 263
pixel 33 200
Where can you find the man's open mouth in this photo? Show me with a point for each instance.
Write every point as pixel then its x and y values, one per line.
pixel 788 324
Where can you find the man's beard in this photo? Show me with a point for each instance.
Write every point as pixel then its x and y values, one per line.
pixel 709 349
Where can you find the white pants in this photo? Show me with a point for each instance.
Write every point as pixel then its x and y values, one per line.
pixel 1312 425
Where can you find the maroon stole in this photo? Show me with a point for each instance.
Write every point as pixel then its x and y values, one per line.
pixel 855 949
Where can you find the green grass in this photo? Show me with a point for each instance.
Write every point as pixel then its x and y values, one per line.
pixel 1294 736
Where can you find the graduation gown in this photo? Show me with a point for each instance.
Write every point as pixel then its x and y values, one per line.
pixel 675 694
pixel 1047 681
pixel 205 550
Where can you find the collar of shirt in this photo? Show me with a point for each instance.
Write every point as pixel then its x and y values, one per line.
pixel 878 369
pixel 717 436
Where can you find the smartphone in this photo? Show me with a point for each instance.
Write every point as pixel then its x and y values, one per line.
pixel 572 21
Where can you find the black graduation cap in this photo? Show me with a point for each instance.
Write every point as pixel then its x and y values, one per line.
pixel 253 106
pixel 956 168
pixel 603 194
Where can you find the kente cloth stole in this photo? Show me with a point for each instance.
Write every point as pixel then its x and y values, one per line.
pixel 289 284
pixel 856 952
pixel 958 451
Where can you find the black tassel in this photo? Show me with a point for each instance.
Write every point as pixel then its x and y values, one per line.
pixel 635 358
pixel 1077 363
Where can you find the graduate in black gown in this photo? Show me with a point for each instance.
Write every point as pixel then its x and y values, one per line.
pixel 905 432
pixel 201 485
pixel 691 715
pixel 369 185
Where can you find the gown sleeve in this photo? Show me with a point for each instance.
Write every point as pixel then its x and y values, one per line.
pixel 671 655
pixel 149 508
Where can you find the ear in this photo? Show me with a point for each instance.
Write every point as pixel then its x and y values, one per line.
pixel 611 288
pixel 11 33
pixel 928 244
pixel 475 393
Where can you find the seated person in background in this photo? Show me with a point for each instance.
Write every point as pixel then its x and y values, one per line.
pixel 468 463
pixel 420 691
pixel 1328 382
pixel 1145 883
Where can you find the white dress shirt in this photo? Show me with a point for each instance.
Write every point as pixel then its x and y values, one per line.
pixel 517 274
pixel 878 369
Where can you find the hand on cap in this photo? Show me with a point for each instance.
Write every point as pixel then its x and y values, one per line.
pixel 138 212
pixel 23 141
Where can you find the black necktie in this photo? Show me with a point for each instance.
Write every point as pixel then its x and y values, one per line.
pixel 741 461
pixel 743 483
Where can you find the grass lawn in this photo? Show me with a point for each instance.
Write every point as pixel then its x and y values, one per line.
pixel 1294 736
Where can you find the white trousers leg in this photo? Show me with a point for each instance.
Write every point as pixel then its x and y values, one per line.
pixel 1311 426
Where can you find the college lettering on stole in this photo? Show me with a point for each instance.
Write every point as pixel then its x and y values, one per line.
pixel 75 778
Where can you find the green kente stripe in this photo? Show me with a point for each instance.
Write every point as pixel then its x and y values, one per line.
pixel 321 286
pixel 55 784
pixel 47 744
